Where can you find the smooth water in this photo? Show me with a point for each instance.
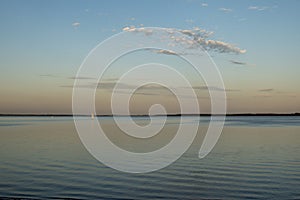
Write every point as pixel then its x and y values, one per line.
pixel 255 158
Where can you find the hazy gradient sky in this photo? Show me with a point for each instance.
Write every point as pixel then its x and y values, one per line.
pixel 44 42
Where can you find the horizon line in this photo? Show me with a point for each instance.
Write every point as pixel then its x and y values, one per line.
pixel 144 115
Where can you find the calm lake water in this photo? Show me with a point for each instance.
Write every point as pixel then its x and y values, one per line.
pixel 255 158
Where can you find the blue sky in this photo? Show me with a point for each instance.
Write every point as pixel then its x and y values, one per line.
pixel 53 37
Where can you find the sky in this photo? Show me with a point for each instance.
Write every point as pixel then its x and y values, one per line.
pixel 43 43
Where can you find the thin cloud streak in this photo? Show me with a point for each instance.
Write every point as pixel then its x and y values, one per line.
pixel 266 90
pixel 257 8
pixel 213 88
pixel 81 78
pixel 262 96
pixel 241 63
pixel 49 75
pixel 226 10
pixel 237 62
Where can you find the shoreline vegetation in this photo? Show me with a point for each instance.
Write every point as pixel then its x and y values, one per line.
pixel 168 115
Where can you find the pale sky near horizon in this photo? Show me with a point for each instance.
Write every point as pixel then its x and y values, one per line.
pixel 44 42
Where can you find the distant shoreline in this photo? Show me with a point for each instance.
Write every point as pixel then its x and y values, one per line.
pixel 168 115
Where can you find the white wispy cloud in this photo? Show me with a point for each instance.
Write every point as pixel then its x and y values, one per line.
pixel 190 21
pixel 141 29
pixel 258 8
pixel 191 39
pixel 75 24
pixel 227 10
pixel 204 4
pixel 222 47
pixel 164 51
